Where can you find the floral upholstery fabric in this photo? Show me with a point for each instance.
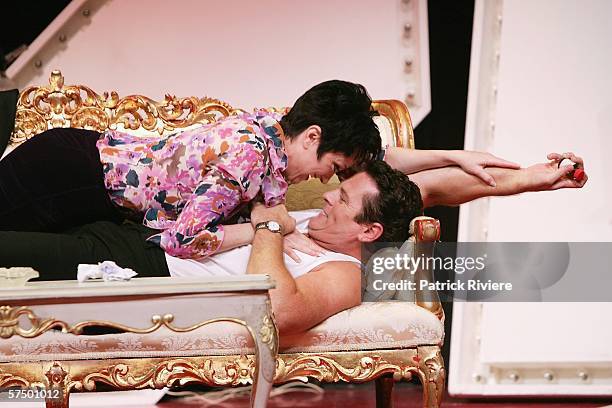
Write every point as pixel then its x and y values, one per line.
pixel 368 326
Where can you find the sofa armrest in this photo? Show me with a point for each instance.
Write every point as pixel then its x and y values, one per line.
pixel 426 231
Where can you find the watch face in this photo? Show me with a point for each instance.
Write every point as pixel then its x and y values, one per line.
pixel 274 226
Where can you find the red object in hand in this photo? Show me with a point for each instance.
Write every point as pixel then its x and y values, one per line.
pixel 578 174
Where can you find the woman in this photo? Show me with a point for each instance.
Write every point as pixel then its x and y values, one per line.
pixel 189 184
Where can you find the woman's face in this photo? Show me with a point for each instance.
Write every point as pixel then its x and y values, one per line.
pixel 302 160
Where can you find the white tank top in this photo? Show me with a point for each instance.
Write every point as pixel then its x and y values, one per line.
pixel 234 261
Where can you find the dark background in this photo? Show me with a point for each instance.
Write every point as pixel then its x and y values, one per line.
pixel 450 39
pixel 450 33
pixel 23 20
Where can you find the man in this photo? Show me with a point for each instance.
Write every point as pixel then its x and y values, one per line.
pixel 354 214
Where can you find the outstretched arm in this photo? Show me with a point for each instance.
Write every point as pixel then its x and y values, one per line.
pixel 410 161
pixel 452 186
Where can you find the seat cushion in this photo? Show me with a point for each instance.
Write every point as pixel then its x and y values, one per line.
pixel 371 325
pixel 380 325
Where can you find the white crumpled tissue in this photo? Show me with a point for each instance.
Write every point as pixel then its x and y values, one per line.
pixel 107 270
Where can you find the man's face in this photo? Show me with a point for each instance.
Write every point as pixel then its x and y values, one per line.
pixel 336 223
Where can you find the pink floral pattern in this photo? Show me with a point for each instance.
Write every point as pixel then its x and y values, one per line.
pixel 187 184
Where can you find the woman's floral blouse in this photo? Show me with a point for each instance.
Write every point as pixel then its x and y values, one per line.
pixel 187 184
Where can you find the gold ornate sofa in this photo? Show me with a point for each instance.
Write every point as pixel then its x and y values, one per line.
pixel 384 341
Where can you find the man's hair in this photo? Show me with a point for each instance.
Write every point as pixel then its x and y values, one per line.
pixel 343 111
pixel 397 202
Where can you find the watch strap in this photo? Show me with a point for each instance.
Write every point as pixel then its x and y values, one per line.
pixel 266 225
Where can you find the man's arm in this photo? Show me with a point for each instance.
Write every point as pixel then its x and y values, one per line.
pixel 452 186
pixel 300 304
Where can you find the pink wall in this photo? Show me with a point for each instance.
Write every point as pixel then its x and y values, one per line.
pixel 247 53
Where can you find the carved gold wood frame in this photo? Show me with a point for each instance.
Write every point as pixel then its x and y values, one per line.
pixel 57 105
pixel 129 374
pixel 44 107
pixel 124 374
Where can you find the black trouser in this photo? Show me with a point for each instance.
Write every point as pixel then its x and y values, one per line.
pixel 56 255
pixel 54 181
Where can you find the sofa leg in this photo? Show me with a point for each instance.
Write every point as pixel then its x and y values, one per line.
pixel 432 374
pixel 384 391
pixel 56 386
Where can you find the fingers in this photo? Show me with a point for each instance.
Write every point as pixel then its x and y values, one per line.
pixel 320 250
pixel 309 250
pixel 566 183
pixel 483 175
pixel 564 171
pixel 495 161
pixel 312 248
pixel 563 183
pixel 558 157
pixel 584 180
pixel 578 160
pixel 291 253
pixel 577 175
pixel 579 179
pixel 562 180
pixel 299 242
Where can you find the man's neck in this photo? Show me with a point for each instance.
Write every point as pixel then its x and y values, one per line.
pixel 347 248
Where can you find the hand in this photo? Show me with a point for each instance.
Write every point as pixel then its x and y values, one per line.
pixel 474 163
pixel 549 176
pixel 301 242
pixel 278 213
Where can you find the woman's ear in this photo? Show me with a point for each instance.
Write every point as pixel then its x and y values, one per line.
pixel 371 232
pixel 312 136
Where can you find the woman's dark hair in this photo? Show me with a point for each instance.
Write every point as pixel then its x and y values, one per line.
pixel 397 202
pixel 343 111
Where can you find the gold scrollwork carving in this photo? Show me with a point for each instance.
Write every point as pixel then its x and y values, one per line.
pixel 218 371
pixel 232 370
pixel 239 370
pixel 44 107
pixel 9 324
pixel 57 379
pixel 332 369
pixel 268 331
pixel 432 374
pixel 11 380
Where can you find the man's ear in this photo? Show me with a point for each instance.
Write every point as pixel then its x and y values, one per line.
pixel 371 232
pixel 312 136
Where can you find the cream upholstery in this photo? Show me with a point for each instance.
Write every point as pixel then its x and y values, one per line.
pixel 398 325
pixel 386 132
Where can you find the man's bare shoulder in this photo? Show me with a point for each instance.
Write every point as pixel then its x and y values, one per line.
pixel 337 267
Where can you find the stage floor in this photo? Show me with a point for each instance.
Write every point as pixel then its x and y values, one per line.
pixel 362 396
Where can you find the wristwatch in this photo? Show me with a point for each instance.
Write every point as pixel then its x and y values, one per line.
pixel 270 226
